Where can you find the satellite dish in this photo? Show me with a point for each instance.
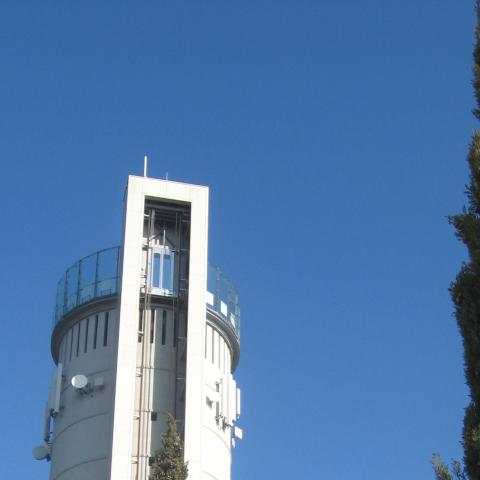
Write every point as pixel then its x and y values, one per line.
pixel 40 452
pixel 79 382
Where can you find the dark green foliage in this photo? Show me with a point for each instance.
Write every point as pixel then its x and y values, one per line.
pixel 168 463
pixel 476 65
pixel 465 292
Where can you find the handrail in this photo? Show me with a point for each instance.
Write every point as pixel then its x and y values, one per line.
pixel 97 275
pixel 91 277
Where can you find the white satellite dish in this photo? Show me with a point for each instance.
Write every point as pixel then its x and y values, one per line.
pixel 40 452
pixel 79 382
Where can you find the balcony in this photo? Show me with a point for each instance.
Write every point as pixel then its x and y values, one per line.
pixel 97 276
pixel 91 277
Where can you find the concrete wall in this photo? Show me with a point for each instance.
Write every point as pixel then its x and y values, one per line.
pixel 216 437
pixel 154 386
pixel 82 430
pixel 82 440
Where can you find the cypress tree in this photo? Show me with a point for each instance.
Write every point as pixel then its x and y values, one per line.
pixel 444 472
pixel 168 462
pixel 465 290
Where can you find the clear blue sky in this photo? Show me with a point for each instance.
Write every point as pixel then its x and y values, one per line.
pixel 333 136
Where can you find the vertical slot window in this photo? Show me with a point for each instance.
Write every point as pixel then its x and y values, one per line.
pixel 105 330
pixel 65 350
pixel 95 332
pixel 213 346
pixel 175 328
pixel 206 340
pixel 164 327
pixel 62 351
pixel 71 343
pixel 152 326
pixel 86 336
pixel 220 351
pixel 140 326
pixel 78 338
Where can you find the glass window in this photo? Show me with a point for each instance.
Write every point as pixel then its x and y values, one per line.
pixel 156 271
pixel 167 273
pixel 162 274
pixel 175 328
pixel 78 337
pixel 152 325
pixel 71 343
pixel 105 330
pixel 86 336
pixel 95 332
pixel 164 327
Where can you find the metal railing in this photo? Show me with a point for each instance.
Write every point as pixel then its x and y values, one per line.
pixel 222 297
pixel 91 277
pixel 97 276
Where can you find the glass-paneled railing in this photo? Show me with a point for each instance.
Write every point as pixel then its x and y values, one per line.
pixel 222 297
pixel 97 276
pixel 91 277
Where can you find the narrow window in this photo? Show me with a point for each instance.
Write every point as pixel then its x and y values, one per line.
pixel 95 332
pixel 164 327
pixel 224 363
pixel 85 347
pixel 71 343
pixel 156 271
pixel 105 330
pixel 206 337
pixel 152 326
pixel 167 273
pixel 217 404
pixel 64 344
pixel 213 346
pixel 140 326
pixel 220 351
pixel 175 328
pixel 78 338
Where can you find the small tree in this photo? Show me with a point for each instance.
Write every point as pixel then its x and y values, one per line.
pixel 168 463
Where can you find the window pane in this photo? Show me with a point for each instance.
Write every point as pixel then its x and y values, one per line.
pixel 167 273
pixel 107 272
pixel 105 330
pixel 164 327
pixel 156 271
pixel 212 279
pixel 95 332
pixel 72 286
pixel 107 263
pixel 60 299
pixel 87 277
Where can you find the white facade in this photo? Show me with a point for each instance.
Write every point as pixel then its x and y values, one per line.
pixel 159 333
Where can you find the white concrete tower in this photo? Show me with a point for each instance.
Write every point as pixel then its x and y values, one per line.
pixel 141 330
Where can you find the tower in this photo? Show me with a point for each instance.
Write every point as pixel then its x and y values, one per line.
pixel 141 330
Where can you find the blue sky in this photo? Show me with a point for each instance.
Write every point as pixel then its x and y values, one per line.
pixel 333 136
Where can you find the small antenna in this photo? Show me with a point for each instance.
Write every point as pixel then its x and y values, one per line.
pixel 145 165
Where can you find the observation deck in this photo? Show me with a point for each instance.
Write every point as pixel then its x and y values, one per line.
pixel 97 276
